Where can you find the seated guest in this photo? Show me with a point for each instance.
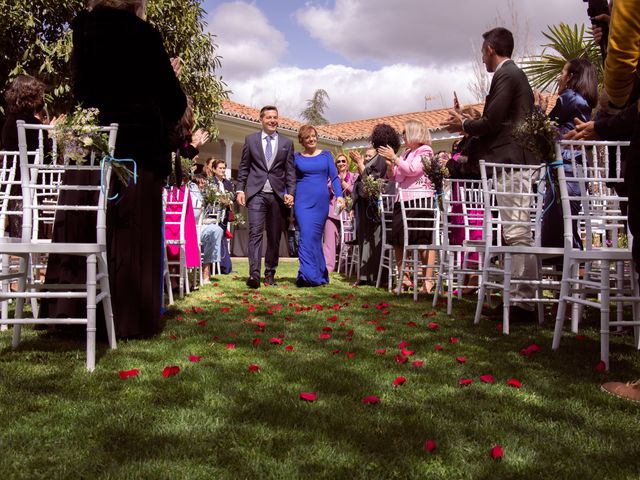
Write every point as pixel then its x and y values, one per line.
pixel 211 232
pixel 224 185
pixel 406 170
pixel 24 99
pixel 578 95
pixel 331 237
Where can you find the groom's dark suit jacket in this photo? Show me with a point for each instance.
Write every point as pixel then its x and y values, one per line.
pixel 510 99
pixel 253 171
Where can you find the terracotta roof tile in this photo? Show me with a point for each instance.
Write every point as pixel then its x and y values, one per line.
pixel 234 109
pixel 358 129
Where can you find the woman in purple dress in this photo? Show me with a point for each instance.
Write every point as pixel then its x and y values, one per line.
pixel 331 239
pixel 313 168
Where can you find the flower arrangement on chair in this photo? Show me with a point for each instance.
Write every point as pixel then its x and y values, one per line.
pixel 436 171
pixel 77 138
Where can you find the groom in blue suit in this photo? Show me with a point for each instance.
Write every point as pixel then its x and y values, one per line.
pixel 266 185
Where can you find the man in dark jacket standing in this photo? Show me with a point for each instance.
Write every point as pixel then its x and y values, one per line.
pixel 510 99
pixel 266 184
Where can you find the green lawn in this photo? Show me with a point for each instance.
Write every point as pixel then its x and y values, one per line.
pixel 216 419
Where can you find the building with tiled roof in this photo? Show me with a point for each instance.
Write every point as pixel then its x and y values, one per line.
pixel 235 121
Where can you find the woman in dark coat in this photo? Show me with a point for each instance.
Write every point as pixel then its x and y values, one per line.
pixel 119 66
pixel 368 223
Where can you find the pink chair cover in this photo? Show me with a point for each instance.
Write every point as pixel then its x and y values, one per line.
pixel 172 232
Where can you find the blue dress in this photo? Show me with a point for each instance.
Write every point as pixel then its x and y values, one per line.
pixel 311 208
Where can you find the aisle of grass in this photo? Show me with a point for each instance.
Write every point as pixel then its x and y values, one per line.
pixel 216 419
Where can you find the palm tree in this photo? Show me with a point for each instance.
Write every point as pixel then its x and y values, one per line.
pixel 569 43
pixel 316 106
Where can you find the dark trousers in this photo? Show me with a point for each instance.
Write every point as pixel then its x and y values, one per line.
pixel 265 209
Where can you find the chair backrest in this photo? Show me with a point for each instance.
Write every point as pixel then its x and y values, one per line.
pixel 176 200
pixel 463 216
pixel 388 203
pixel 10 195
pixel 347 227
pixel 596 175
pixel 420 214
pixel 52 183
pixel 501 184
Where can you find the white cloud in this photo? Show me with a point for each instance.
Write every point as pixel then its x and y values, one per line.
pixel 356 93
pixel 248 43
pixel 428 31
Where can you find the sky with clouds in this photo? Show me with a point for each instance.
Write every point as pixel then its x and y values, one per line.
pixel 373 57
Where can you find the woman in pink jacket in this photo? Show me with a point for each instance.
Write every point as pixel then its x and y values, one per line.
pixel 406 171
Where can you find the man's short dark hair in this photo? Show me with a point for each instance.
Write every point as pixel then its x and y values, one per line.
pixel 501 40
pixel 267 107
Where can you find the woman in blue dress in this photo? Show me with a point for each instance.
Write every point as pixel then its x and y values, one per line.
pixel 311 207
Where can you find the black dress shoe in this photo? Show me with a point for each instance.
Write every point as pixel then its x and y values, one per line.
pixel 270 281
pixel 253 282
pixel 521 315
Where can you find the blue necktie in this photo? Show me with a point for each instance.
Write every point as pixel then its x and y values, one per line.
pixel 268 152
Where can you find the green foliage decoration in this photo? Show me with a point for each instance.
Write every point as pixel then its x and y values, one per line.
pixel 35 39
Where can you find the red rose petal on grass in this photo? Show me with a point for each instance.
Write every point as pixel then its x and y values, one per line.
pixel 336 351
pixel 365 305
pixel 512 382
pixel 461 359
pixel 225 309
pixel 351 354
pixel 530 350
pixel 453 340
pixel 332 318
pixel 433 326
pixel 231 346
pixel 600 366
pixel 254 368
pixel 252 309
pixel 418 363
pixel 171 371
pixel 318 307
pixel 195 358
pixel 215 284
pixel 465 381
pixel 499 326
pixel 403 344
pixel 327 329
pixel 325 336
pixel 256 341
pixel 288 319
pixel 432 313
pixel 308 396
pixel 202 323
pixel 407 353
pixel 380 328
pixel 399 381
pixel 260 324
pixel 581 338
pixel 412 324
pixel 487 378
pixel 386 312
pixel 381 351
pixel 401 359
pixel 371 400
pixel 438 347
pixel 179 319
pixel 430 445
pixel 276 341
pixel 288 348
pixel 128 373
pixel 336 296
pixel 172 337
pixel 496 452
pixel 280 334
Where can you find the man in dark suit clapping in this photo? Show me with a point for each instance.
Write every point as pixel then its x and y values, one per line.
pixel 266 185
pixel 509 101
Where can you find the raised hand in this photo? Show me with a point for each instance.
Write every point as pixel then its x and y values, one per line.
pixel 199 138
